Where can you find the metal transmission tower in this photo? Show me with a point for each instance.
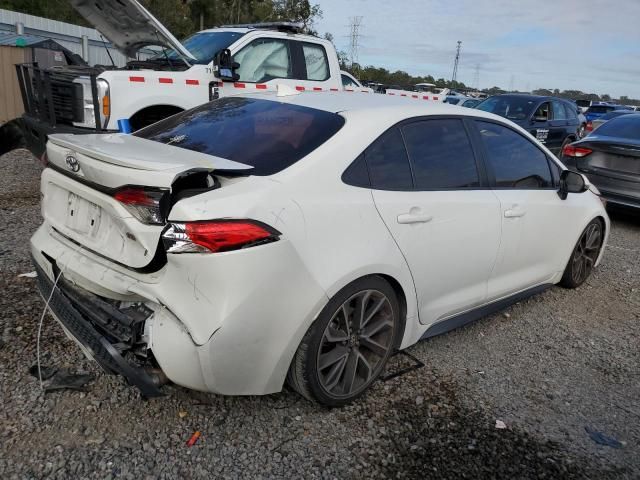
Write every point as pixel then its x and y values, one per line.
pixel 354 35
pixel 455 65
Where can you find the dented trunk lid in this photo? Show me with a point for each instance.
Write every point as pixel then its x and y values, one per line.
pixel 78 191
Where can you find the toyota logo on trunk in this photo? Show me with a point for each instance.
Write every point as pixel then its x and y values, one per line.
pixel 72 163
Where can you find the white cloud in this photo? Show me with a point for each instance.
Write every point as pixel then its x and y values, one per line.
pixel 591 45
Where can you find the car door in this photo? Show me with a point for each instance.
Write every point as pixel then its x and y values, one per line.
pixel 431 192
pixel 267 60
pixel 541 124
pixel 559 127
pixel 532 212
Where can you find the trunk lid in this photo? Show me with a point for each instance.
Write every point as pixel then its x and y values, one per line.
pixel 128 26
pixel 78 192
pixel 612 157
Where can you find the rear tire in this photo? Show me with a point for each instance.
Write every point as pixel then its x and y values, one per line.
pixel 346 348
pixel 584 255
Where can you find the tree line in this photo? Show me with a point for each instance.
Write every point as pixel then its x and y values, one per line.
pixel 184 17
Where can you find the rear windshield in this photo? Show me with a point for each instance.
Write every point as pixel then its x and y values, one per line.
pixel 513 108
pixel 626 126
pixel 268 135
pixel 600 109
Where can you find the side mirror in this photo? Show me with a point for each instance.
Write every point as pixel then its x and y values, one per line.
pixel 225 66
pixel 571 182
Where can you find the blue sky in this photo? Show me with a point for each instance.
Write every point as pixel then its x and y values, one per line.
pixel 588 45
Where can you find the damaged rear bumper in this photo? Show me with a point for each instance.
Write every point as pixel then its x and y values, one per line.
pixel 71 309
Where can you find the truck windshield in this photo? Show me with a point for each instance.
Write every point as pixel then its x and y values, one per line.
pixel 203 46
pixel 513 108
pixel 268 135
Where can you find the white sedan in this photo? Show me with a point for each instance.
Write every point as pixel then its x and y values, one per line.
pixel 301 238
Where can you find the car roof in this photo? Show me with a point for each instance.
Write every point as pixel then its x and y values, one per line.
pixel 340 102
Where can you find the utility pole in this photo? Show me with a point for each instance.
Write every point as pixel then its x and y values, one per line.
pixel 354 35
pixel 476 77
pixel 455 64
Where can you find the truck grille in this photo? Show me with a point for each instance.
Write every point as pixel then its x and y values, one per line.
pixel 52 95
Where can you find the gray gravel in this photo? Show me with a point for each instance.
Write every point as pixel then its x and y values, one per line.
pixel 547 367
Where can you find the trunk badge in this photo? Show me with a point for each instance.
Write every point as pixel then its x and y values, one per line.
pixel 72 163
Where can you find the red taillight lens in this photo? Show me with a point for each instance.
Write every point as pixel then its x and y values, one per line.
pixel 216 236
pixel 589 126
pixel 143 203
pixel 573 151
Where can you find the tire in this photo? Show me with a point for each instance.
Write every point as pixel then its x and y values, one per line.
pixel 336 365
pixel 584 255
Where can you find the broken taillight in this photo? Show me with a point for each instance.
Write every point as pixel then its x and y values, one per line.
pixel 216 236
pixel 145 204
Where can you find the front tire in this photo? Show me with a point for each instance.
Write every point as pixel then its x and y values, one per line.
pixel 346 348
pixel 584 255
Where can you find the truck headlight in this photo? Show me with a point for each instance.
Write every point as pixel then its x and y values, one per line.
pixel 88 108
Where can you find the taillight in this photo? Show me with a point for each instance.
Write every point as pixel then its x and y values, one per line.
pixel 573 151
pixel 44 159
pixel 216 236
pixel 143 203
pixel 589 126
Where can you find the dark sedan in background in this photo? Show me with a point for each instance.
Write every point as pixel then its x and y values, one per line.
pixel 610 157
pixel 552 121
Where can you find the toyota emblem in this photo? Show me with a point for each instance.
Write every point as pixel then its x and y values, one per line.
pixel 72 163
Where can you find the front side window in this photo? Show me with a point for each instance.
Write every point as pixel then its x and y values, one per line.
pixel 316 62
pixel 542 113
pixel 388 163
pixel 515 161
pixel 441 155
pixel 264 59
pixel 268 135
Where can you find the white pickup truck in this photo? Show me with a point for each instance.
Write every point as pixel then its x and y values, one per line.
pixel 212 63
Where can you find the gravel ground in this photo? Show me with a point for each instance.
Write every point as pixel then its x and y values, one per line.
pixel 547 367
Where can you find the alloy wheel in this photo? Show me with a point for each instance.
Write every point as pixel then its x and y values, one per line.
pixel 586 252
pixel 356 343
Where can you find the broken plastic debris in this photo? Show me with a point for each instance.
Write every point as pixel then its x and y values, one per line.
pixel 194 438
pixel 65 380
pixel 28 275
pixel 182 413
pixel 602 439
pixel 500 425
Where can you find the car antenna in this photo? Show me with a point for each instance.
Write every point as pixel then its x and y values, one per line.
pixel 164 50
pixel 108 52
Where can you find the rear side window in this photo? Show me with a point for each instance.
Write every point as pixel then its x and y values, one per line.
pixel 264 59
pixel 559 113
pixel 267 135
pixel 316 62
pixel 515 161
pixel 388 163
pixel 571 110
pixel 441 155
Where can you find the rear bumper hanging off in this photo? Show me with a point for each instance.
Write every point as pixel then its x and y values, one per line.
pixel 63 306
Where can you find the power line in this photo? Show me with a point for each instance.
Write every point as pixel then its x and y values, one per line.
pixel 455 64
